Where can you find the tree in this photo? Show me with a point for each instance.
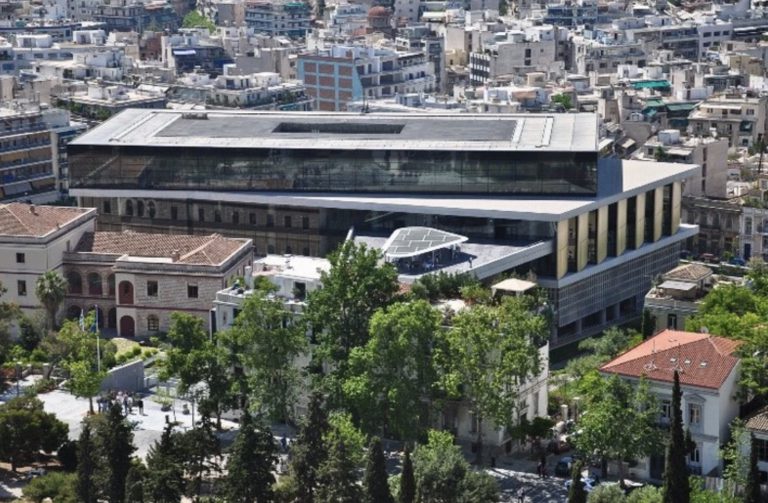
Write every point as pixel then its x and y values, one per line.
pixel 736 470
pixel 391 376
pixel 309 450
pixel 478 486
pixel 114 444
pixel 439 467
pixel 375 480
pixel 752 493
pixel 250 465
pixel 342 429
pixel 564 100
pixel 196 20
pixel 85 381
pixel 8 313
pixel 86 466
pixel 676 488
pixel 195 358
pixel 576 493
pixel 407 480
pixel 620 422
pixel 201 450
pixel 491 351
pixel 611 343
pixel 50 289
pixel 26 429
pixel 337 478
pixel 135 481
pixel 647 494
pixel 165 473
pixel 354 288
pixel 265 340
pixel 55 486
pixel 606 493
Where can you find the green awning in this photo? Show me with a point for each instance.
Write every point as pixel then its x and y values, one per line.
pixel 681 107
pixel 652 84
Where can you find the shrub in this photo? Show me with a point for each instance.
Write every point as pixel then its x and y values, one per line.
pixel 58 486
pixel 67 455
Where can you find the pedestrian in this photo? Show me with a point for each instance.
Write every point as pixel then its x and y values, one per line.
pixel 125 405
pixel 284 443
pixel 540 470
pixel 140 404
pixel 521 495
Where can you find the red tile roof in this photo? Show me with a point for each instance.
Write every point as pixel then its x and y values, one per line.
pixel 199 250
pixel 20 219
pixel 702 360
pixel 758 421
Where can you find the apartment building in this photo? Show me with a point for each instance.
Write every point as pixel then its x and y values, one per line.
pixel 342 74
pixel 740 119
pixel 287 18
pixel 136 280
pixel 595 231
pixel 33 240
pixel 719 225
pixel 606 55
pixel 678 295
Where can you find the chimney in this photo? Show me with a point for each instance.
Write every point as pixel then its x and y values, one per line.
pixel 248 277
pixel 175 256
pixel 32 209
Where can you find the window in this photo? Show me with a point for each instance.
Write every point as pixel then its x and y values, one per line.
pixel 694 414
pixel 151 288
pixel 192 291
pixel 201 214
pixel 305 222
pixel 140 208
pixel 695 456
pixel 151 209
pixel 217 216
pixel 235 217
pixel 153 323
pixel 762 449
pixel 252 218
pixel 129 208
pixel 174 213
pixel 672 321
pixel 22 287
pixel 666 409
pixel 107 207
pixel 287 221
pixel 21 258
pixel 270 220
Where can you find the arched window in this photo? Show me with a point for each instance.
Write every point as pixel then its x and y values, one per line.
pixel 94 284
pixel 129 208
pixel 73 312
pixel 75 283
pixel 151 209
pixel 140 208
pixel 153 323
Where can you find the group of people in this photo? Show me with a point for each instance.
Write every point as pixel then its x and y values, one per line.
pixel 124 399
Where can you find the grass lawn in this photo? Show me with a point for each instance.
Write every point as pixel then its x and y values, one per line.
pixel 124 345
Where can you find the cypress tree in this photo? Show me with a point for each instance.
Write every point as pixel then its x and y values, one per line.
pixel 337 480
pixel 86 466
pixel 249 468
pixel 309 450
pixel 135 482
pixel 752 490
pixel 165 480
pixel 114 440
pixel 375 482
pixel 576 493
pixel 676 486
pixel 407 480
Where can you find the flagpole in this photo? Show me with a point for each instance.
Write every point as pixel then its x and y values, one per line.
pixel 98 344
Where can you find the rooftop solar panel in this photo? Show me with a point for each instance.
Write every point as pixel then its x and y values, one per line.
pixel 413 241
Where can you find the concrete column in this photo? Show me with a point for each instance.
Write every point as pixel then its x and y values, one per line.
pixel 621 227
pixel 603 316
pixel 602 233
pixel 676 206
pixel 658 212
pixel 582 241
pixel 615 309
pixel 561 251
pixel 639 220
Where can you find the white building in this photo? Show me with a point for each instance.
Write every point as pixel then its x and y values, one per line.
pixel 33 240
pixel 709 373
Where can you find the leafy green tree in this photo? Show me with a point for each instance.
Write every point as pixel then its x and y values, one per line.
pixel 73 343
pixel 67 455
pixel 620 422
pixel 250 465
pixel 201 451
pixel 85 381
pixel 491 351
pixel 196 20
pixel 26 429
pixel 8 313
pixel 195 358
pixel 114 445
pixel 135 481
pixel 375 481
pixel 393 374
pixel 354 288
pixel 50 289
pixel 576 493
pixel 265 341
pixel 439 468
pixel 611 343
pixel 700 494
pixel 564 100
pixel 337 477
pixel 86 488
pixel 647 494
pixel 676 488
pixel 736 470
pixel 407 480
pixel 342 429
pixel 752 493
pixel 606 493
pixel 308 452
pixel 58 486
pixel 478 486
pixel 165 473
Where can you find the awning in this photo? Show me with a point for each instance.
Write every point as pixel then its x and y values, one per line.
pixel 627 143
pixel 184 52
pixel 652 84
pixel 514 285
pixel 682 286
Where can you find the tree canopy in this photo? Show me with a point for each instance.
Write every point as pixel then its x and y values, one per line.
pixel 25 429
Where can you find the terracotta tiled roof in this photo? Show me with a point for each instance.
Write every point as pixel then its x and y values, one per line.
pixel 758 421
pixel 19 219
pixel 201 250
pixel 701 359
pixel 689 272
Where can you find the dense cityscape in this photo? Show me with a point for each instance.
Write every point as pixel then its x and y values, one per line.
pixel 383 251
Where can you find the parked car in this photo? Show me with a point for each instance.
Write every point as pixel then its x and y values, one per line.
pixel 738 261
pixel 564 466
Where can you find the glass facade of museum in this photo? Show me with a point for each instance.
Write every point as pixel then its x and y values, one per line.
pixel 327 170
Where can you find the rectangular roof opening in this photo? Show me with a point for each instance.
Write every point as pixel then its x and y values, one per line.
pixel 338 128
